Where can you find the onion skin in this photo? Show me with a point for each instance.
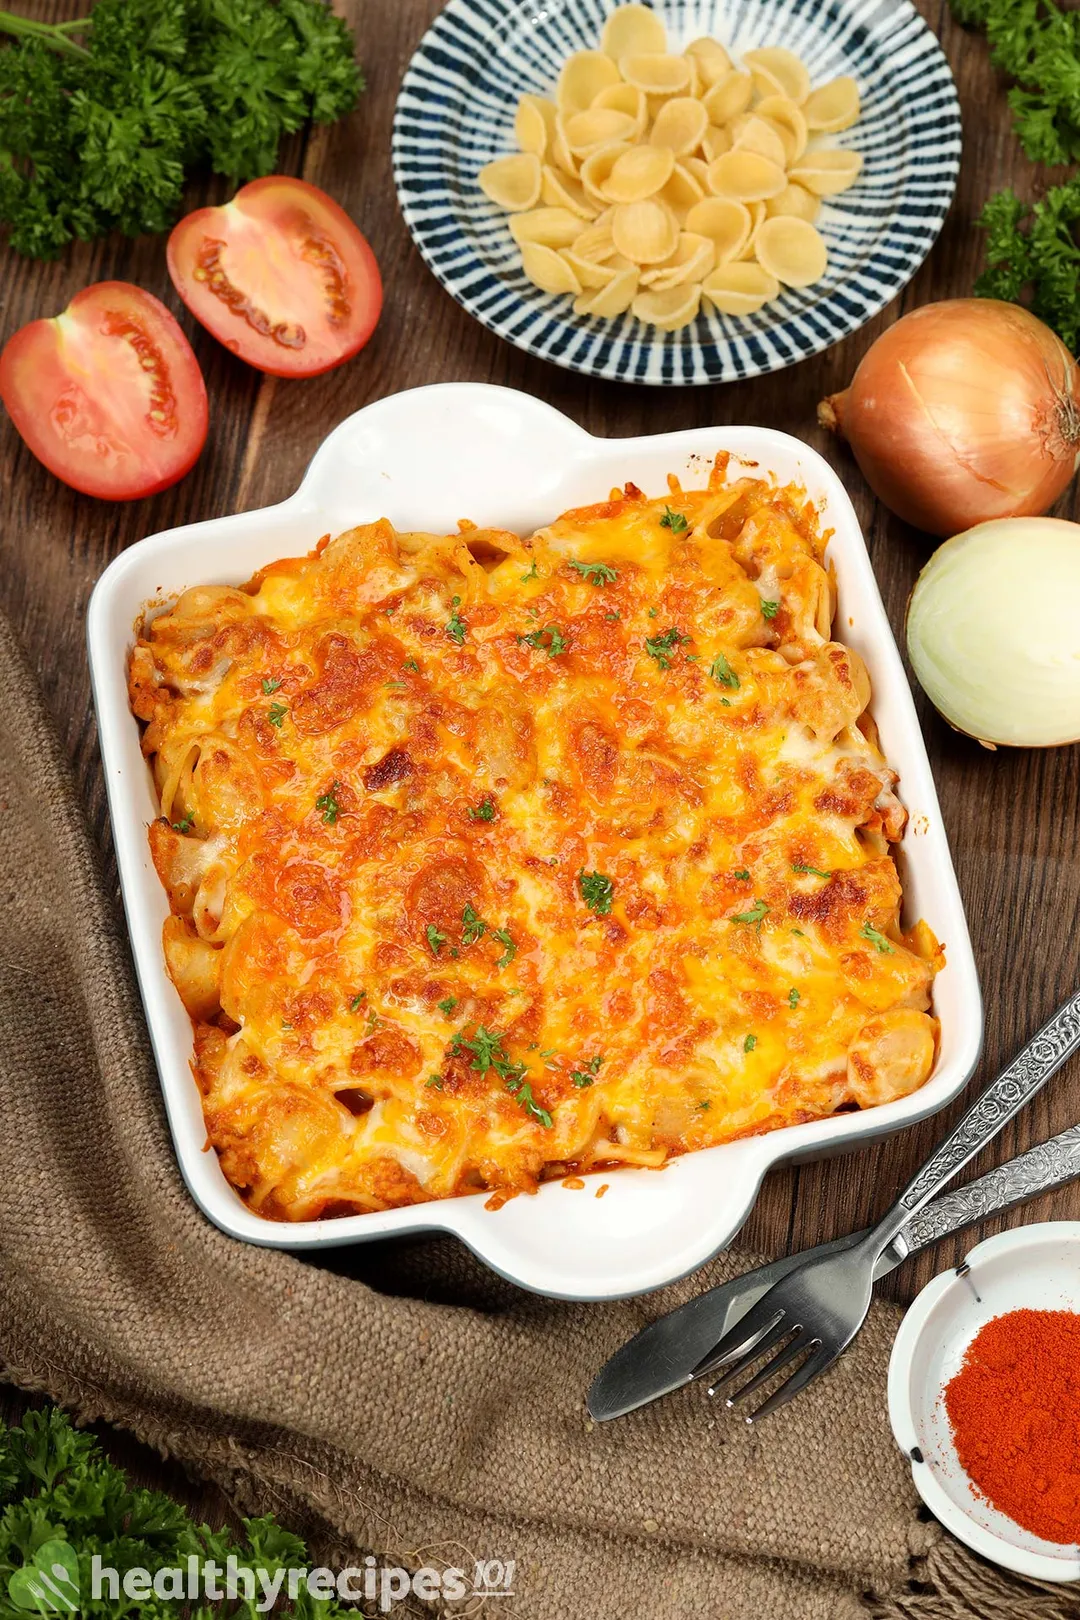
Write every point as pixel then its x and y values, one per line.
pixel 962 412
pixel 993 632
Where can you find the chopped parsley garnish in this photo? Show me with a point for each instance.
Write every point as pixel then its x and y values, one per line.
pixel 522 1090
pixel 473 926
pixel 435 1083
pixel 877 940
pixel 488 1053
pixel 447 1005
pixel 183 826
pixel 596 573
pixel 704 1106
pixel 484 811
pixel 754 915
pixel 662 647
pixel 456 628
pixel 654 613
pixel 532 574
pixel 412 666
pixel 799 932
pixel 769 610
pixel 550 640
pixel 269 686
pixel 587 1073
pixel 357 1000
pixel 372 1019
pixel 749 1043
pixel 673 521
pixel 504 938
pixel 436 939
pixel 614 617
pixel 397 686
pixel 327 805
pixel 742 874
pixel 793 999
pixel 486 1048
pixel 596 891
pixel 276 714
pixel 722 672
pixel 814 871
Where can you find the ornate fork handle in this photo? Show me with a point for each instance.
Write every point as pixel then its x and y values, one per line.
pixel 1029 1071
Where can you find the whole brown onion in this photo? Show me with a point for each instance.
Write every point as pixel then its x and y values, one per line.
pixel 963 411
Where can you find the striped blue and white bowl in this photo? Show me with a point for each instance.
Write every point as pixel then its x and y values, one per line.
pixel 456 111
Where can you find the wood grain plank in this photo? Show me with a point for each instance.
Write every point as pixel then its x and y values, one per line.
pixel 1011 818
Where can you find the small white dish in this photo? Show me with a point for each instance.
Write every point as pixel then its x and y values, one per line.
pixel 423 459
pixel 1033 1268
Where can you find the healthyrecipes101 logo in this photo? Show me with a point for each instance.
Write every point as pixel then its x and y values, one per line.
pixel 50 1584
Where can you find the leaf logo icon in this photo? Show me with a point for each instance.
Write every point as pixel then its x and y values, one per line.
pixel 50 1583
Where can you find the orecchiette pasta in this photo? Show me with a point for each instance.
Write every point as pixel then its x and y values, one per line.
pixel 650 178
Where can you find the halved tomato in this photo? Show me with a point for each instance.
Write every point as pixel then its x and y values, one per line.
pixel 280 275
pixel 109 394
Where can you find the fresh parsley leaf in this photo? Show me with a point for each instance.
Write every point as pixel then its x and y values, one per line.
pixel 522 1090
pixel 596 891
pixel 662 647
pixel 436 939
pixel 435 1083
pixel 757 911
pixel 793 998
pixel 1038 45
pixel 704 1106
pixel 183 826
pixel 269 686
pixel 456 628
pixel 532 574
pixel 484 811
pixel 506 939
pixel 550 640
pixel 357 1001
pixel 769 610
pixel 673 521
pixel 596 573
pixel 742 874
pixel 882 945
pixel 276 714
pixel 473 926
pixel 327 804
pixel 814 871
pixel 722 672
pixel 412 666
pixel 447 1005
pixel 1033 253
pixel 749 1043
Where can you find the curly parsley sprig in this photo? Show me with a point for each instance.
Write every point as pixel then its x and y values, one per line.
pixel 102 118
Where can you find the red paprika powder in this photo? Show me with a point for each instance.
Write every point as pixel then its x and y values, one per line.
pixel 1014 1408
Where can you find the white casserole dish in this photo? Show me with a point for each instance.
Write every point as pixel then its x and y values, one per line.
pixel 423 459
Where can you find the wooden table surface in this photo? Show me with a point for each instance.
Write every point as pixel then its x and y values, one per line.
pixel 1012 818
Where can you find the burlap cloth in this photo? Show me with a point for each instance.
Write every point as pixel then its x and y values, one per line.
pixel 407 1403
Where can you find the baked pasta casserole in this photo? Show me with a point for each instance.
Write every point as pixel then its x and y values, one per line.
pixel 493 859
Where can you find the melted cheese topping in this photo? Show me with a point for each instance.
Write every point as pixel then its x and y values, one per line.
pixel 492 859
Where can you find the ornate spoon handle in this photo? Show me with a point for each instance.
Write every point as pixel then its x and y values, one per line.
pixel 1041 1169
pixel 1001 1101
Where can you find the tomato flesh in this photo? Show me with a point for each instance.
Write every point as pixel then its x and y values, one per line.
pixel 280 275
pixel 108 395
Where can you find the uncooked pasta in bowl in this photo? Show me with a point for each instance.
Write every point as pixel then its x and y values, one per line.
pixel 676 193
pixel 651 179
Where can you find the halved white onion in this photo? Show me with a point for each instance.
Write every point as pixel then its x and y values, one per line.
pixel 993 632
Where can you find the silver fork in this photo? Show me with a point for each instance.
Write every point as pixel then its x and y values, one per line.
pixel 817 1309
